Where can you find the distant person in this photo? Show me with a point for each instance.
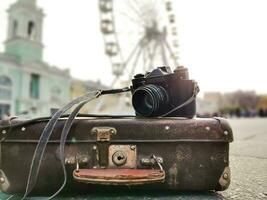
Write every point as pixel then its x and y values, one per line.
pixel 242 113
pixel 232 113
pixel 253 112
pixel 247 113
pixel 261 112
pixel 238 112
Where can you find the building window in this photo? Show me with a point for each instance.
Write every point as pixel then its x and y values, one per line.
pixel 5 96
pixel 31 30
pixel 5 88
pixel 15 27
pixel 4 110
pixel 35 86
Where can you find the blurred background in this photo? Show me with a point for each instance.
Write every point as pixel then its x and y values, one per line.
pixel 54 51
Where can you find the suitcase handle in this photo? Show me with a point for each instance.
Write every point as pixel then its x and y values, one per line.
pixel 119 176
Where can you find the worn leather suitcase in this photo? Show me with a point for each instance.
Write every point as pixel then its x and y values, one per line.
pixel 119 153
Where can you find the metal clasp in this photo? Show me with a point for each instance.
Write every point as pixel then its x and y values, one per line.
pixel 150 162
pixel 77 165
pixel 103 133
pixel 158 162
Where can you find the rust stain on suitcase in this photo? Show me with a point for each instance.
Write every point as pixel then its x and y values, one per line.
pixel 173 172
pixel 216 156
pixel 183 153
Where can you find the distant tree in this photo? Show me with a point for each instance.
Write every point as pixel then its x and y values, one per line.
pixel 262 103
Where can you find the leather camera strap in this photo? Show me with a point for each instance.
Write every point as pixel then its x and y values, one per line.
pixel 44 138
pixel 46 134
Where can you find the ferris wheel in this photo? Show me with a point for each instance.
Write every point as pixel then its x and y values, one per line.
pixel 138 35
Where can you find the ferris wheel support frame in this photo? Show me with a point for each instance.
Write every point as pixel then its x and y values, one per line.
pixel 141 48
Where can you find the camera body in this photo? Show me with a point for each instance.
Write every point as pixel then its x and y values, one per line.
pixel 161 90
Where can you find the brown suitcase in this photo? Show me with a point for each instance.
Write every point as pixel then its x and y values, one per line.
pixel 120 153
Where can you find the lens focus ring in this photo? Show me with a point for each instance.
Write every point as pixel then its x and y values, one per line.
pixel 148 99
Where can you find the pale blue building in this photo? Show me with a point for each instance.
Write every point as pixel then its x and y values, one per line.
pixel 28 85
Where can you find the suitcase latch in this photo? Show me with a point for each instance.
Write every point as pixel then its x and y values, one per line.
pixel 103 133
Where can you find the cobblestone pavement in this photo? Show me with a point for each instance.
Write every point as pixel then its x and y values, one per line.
pixel 249 179
pixel 248 162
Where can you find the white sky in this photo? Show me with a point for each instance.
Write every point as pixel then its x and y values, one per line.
pixel 222 42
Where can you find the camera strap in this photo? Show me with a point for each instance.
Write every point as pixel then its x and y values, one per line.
pixel 46 134
pixel 188 101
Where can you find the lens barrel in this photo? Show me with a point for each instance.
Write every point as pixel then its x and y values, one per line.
pixel 149 99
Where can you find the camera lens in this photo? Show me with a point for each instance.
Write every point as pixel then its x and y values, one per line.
pixel 148 99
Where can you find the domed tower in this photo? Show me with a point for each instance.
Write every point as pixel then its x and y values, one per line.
pixel 24 37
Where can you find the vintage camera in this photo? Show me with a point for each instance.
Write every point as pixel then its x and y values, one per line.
pixel 160 91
